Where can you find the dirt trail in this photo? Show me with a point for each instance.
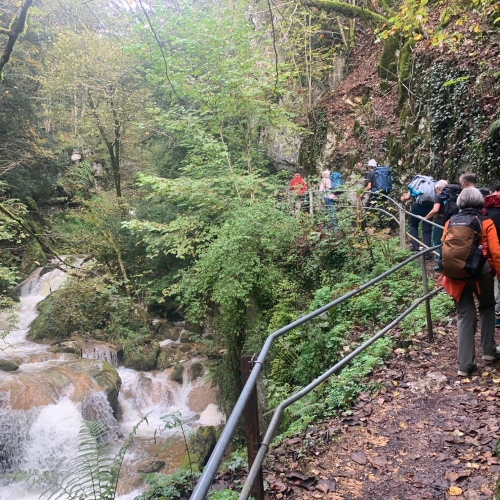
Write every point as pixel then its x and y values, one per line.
pixel 426 434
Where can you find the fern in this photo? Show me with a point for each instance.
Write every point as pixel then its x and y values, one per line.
pixel 93 473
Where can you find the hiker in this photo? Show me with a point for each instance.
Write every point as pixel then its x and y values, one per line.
pixel 437 216
pixel 492 207
pixel 462 290
pixel 328 196
pixel 298 187
pixel 370 178
pixel 422 205
pixel 467 180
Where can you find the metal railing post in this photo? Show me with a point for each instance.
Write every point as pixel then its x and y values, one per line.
pixel 311 200
pixel 430 333
pixel 402 228
pixel 252 428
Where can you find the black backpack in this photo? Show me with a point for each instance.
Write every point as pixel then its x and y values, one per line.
pixel 448 198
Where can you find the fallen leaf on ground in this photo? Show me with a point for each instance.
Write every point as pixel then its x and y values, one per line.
pixel 359 457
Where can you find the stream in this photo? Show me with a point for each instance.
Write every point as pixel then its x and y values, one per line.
pixel 44 402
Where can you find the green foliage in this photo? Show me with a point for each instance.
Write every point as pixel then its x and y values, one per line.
pixel 224 495
pixel 168 486
pixel 231 283
pixel 90 306
pixel 77 180
pixel 305 353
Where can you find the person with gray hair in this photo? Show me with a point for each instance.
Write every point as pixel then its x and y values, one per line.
pixel 437 216
pixel 470 201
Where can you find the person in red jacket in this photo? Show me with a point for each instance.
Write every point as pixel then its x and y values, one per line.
pixel 481 285
pixel 298 187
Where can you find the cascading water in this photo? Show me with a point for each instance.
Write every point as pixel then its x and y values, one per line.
pixel 39 424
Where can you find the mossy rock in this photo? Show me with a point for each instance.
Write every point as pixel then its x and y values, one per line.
pixel 196 371
pixel 185 348
pixel 33 257
pixel 164 361
pixel 70 347
pixel 141 356
pixel 405 61
pixel 177 374
pixel 200 448
pixel 387 64
pixel 8 366
pixel 193 327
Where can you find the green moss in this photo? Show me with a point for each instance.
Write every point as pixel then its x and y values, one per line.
pixel 177 373
pixel 141 355
pixel 387 64
pixel 8 366
pixel 196 370
pixel 405 62
pixel 200 448
pixel 33 257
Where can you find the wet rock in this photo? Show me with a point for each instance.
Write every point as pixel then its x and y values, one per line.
pixel 141 357
pixel 169 356
pixel 166 331
pixel 37 385
pixel 201 396
pixel 150 466
pixel 177 374
pixel 193 327
pixel 196 370
pixel 8 366
pixel 70 347
pixel 184 348
pixel 200 449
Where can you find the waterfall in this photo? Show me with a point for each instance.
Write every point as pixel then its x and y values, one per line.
pixel 39 423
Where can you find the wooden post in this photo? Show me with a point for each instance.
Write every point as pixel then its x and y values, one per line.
pixel 252 428
pixel 402 228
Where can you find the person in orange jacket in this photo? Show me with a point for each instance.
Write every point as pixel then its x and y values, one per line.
pixel 481 285
pixel 298 187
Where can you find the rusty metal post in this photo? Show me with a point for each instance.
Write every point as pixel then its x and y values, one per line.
pixel 252 428
pixel 430 333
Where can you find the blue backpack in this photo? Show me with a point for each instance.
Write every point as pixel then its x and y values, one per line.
pixel 383 180
pixel 336 180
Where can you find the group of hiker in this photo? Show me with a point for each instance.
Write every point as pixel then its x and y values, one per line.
pixel 468 226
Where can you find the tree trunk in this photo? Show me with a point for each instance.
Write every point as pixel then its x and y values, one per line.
pixel 347 10
pixel 15 29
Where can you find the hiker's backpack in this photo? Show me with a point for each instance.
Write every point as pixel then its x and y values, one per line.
pixel 449 197
pixel 461 253
pixel 422 189
pixel 383 180
pixel 336 180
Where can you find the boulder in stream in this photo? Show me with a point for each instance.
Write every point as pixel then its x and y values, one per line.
pixel 200 448
pixel 43 384
pixel 8 366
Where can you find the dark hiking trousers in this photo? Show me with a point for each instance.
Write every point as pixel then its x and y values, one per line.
pixel 421 210
pixel 483 288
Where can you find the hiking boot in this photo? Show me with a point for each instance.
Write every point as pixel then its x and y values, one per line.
pixel 438 268
pixel 493 356
pixel 497 320
pixel 466 373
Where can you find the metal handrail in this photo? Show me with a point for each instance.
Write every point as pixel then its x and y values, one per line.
pixel 210 469
pixel 264 446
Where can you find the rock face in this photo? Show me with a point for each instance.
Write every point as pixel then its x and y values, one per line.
pixel 40 385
